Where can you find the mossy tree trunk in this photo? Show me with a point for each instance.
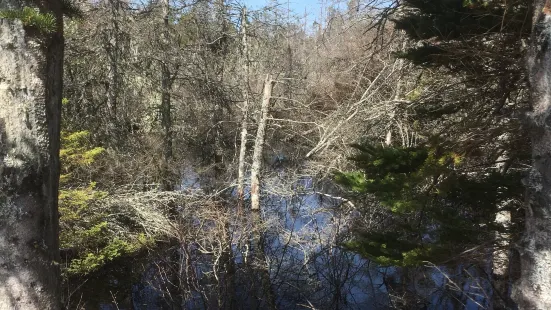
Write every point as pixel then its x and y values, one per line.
pixel 533 290
pixel 30 110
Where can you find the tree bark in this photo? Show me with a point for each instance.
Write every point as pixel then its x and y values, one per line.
pixel 244 111
pixel 31 77
pixel 259 143
pixel 166 106
pixel 220 69
pixel 112 47
pixel 533 290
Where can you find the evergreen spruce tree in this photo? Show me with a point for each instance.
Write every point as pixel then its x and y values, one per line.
pixel 443 194
pixel 437 209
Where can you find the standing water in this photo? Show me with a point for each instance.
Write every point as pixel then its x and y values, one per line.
pixel 308 269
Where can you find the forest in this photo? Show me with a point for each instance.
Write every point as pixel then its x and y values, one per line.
pixel 215 154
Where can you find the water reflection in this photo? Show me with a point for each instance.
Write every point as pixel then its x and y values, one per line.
pixel 308 270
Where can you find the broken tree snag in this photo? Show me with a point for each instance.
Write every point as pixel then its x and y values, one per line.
pixel 259 143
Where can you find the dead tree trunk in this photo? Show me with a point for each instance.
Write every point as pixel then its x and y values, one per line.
pixel 244 111
pixel 112 47
pixel 259 143
pixel 166 106
pixel 31 77
pixel 219 101
pixel 533 290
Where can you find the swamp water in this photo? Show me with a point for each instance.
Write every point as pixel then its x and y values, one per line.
pixel 307 270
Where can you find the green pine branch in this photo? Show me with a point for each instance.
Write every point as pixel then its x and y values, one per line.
pixel 44 22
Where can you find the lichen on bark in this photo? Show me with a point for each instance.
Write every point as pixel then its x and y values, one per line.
pixel 533 290
pixel 29 254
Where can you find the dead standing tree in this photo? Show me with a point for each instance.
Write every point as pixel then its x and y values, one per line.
pixel 259 143
pixel 244 109
pixel 166 106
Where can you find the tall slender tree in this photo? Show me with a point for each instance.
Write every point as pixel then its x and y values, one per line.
pixel 259 143
pixel 112 42
pixel 244 108
pixel 166 88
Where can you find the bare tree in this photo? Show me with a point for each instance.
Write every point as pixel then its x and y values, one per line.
pixel 112 45
pixel 166 88
pixel 259 143
pixel 244 108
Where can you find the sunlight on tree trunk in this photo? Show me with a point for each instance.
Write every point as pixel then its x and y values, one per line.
pixel 533 290
pixel 244 111
pixel 259 143
pixel 30 104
